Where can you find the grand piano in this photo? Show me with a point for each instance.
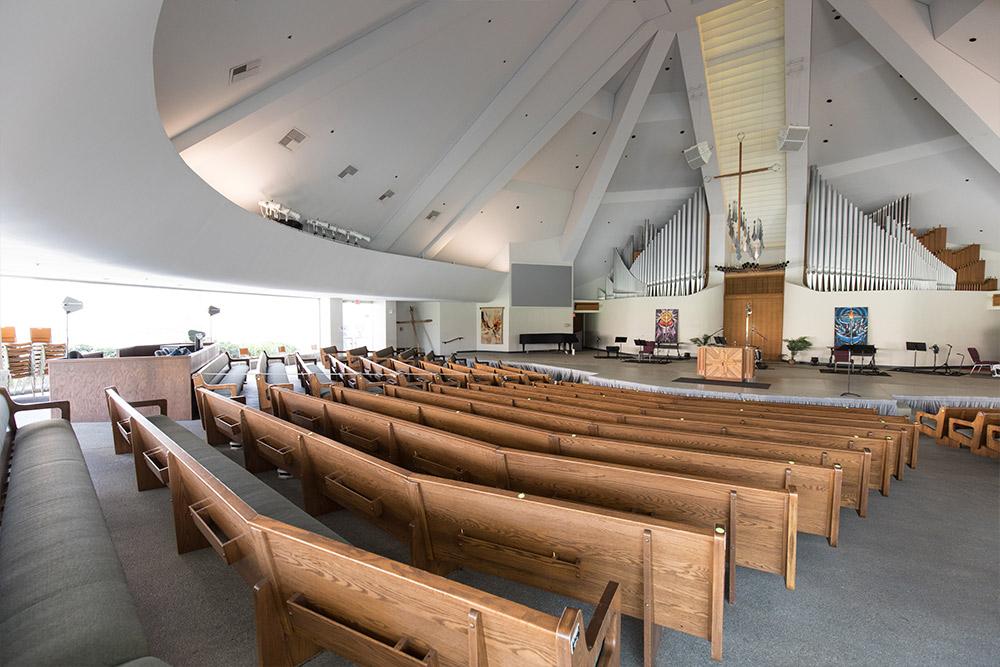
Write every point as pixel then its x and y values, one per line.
pixel 564 341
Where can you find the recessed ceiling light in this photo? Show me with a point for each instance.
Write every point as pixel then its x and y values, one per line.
pixel 826 141
pixel 682 131
pixel 831 124
pixel 518 206
pixel 633 136
pixel 915 99
pixel 289 37
pixel 577 167
pixel 972 39
pixel 967 180
pixel 666 69
pixel 829 101
pixel 594 132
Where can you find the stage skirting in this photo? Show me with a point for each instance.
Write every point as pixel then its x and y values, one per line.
pixel 883 406
pixel 935 403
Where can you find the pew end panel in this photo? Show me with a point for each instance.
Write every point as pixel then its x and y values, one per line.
pixel 343 599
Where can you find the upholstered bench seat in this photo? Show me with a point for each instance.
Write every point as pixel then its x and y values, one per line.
pixel 277 373
pixel 252 490
pixel 64 599
pixel 322 376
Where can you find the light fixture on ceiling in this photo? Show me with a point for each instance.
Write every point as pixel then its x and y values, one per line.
pixel 698 155
pixel 386 195
pixel 349 170
pixel 432 215
pixel 292 138
pixel 792 137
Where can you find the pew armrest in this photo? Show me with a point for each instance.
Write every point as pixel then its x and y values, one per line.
pixel 605 616
pixel 14 407
pixel 160 403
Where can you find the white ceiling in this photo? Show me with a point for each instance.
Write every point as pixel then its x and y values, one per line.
pixel 492 112
pixel 198 41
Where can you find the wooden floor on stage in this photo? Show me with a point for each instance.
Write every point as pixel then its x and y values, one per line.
pixel 802 379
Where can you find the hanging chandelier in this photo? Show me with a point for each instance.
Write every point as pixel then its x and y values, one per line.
pixel 747 237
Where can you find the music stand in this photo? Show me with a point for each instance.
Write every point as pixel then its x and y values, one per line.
pixel 852 350
pixel 915 347
pixel 868 351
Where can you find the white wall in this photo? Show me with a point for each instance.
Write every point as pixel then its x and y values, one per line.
pixel 698 314
pixel 458 319
pixel 429 333
pixel 963 319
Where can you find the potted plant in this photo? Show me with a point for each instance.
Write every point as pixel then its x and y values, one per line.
pixel 701 341
pixel 796 345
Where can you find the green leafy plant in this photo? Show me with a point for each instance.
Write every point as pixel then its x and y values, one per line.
pixel 702 341
pixel 796 345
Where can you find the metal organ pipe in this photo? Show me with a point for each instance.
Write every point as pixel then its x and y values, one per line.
pixel 673 261
pixel 848 249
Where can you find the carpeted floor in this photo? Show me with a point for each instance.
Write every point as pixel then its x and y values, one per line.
pixel 916 583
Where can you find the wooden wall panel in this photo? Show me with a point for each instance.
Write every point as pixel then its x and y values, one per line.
pixel 766 294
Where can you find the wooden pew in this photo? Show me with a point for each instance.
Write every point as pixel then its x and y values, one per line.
pixel 316 379
pixel 452 370
pixel 354 376
pixel 267 378
pixel 763 533
pixel 818 488
pixel 819 414
pixel 313 593
pixel 993 440
pixel 971 433
pixel 936 424
pixel 856 464
pixel 449 378
pixel 834 409
pixel 498 376
pixel 669 574
pixel 885 452
pixel 530 376
pixel 390 376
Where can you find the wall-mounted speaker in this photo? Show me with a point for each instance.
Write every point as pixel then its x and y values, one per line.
pixel 698 155
pixel 792 138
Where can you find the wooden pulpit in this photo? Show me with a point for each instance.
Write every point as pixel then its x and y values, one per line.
pixel 735 364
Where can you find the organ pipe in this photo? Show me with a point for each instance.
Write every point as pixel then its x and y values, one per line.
pixel 673 260
pixel 848 249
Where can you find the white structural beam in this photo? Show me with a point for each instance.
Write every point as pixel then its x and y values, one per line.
pixel 689 45
pixel 900 30
pixel 798 42
pixel 629 101
pixel 323 75
pixel 518 139
pixel 552 48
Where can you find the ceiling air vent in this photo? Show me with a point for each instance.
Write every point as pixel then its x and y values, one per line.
pixel 386 195
pixel 432 215
pixel 293 137
pixel 349 170
pixel 243 71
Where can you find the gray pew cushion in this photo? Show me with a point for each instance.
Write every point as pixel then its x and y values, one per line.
pixel 58 565
pixel 254 492
pixel 235 375
pixel 277 373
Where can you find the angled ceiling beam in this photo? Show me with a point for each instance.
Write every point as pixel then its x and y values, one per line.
pixel 689 45
pixel 964 95
pixel 629 101
pixel 401 32
pixel 617 35
pixel 553 47
pixel 798 44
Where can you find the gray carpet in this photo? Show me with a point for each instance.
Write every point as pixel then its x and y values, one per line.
pixel 916 583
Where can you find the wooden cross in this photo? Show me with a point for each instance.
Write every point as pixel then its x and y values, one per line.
pixel 413 321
